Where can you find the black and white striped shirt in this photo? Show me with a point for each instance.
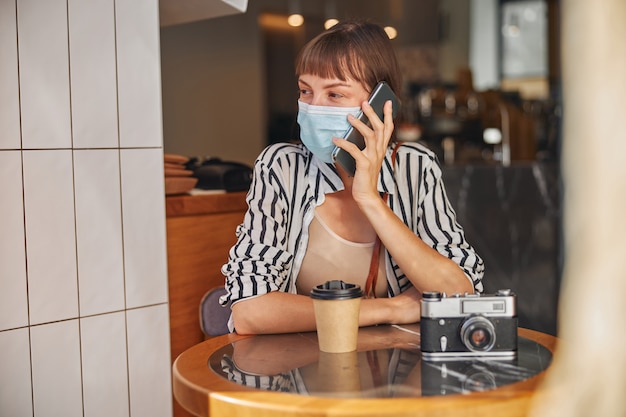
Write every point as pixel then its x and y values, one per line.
pixel 289 182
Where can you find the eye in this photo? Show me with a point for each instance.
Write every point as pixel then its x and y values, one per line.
pixel 335 96
pixel 303 92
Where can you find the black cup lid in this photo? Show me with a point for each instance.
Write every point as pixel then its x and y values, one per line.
pixel 336 290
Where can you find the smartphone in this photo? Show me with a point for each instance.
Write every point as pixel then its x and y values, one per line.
pixel 381 93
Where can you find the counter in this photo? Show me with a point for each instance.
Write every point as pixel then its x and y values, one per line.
pixel 200 231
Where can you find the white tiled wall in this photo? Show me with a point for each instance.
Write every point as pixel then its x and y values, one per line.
pixel 13 293
pixel 42 40
pixel 9 102
pixel 16 397
pixel 99 231
pixel 84 325
pixel 50 235
pixel 105 397
pixel 93 83
pixel 139 69
pixel 56 369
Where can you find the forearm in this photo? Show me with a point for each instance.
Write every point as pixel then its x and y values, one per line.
pixel 275 312
pixel 426 268
pixel 280 312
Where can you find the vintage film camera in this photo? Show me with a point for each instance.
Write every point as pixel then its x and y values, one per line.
pixel 470 325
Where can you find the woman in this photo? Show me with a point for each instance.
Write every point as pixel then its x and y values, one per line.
pixel 309 221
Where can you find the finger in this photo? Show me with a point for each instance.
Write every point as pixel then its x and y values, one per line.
pixel 359 125
pixel 347 146
pixel 382 129
pixel 370 113
pixel 358 155
pixel 388 121
pixel 376 128
pixel 366 132
pixel 388 112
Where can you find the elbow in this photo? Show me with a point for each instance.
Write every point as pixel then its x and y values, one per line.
pixel 243 319
pixel 468 285
pixel 462 283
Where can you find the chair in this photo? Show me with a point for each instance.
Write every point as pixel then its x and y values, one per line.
pixel 213 316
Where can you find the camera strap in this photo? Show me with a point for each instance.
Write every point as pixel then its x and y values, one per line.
pixel 372 276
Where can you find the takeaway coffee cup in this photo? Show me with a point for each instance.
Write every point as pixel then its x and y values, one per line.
pixel 336 304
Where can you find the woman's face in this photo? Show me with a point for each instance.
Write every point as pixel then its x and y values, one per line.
pixel 331 92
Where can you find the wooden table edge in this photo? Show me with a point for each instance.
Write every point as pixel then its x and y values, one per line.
pixel 191 379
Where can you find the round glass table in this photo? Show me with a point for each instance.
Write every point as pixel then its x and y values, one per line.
pixel 288 375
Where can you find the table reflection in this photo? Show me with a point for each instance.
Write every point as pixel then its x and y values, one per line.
pixel 293 363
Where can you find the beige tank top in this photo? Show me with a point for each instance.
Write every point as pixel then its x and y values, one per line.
pixel 329 256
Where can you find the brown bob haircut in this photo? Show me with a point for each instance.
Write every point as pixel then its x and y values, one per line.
pixel 355 49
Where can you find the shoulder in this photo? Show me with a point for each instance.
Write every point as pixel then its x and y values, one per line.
pixel 416 150
pixel 283 164
pixel 283 151
pixel 414 156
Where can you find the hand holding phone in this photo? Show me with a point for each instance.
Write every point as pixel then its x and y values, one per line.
pixel 380 95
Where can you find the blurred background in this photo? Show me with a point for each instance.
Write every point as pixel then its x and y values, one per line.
pixel 481 88
pixel 469 66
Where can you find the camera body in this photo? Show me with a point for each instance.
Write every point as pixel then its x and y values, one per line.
pixel 470 325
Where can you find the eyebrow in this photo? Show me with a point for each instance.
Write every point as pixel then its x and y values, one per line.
pixel 337 84
pixel 331 85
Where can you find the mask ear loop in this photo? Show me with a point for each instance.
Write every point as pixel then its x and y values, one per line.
pixel 372 276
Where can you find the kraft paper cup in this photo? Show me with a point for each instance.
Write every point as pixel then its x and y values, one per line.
pixel 336 306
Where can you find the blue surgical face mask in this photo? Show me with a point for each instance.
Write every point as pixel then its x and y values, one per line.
pixel 319 124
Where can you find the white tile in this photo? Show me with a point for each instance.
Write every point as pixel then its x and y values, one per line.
pixel 139 73
pixel 99 231
pixel 55 350
pixel 93 78
pixel 149 361
pixel 143 204
pixel 13 297
pixel 50 235
pixel 9 92
pixel 105 375
pixel 16 394
pixel 44 73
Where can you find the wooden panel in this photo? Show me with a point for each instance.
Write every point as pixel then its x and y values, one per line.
pixel 200 231
pixel 185 205
pixel 197 249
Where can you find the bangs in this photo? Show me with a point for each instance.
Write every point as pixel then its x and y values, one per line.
pixel 352 50
pixel 330 58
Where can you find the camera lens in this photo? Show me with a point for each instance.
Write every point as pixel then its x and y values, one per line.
pixel 478 334
pixel 479 337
